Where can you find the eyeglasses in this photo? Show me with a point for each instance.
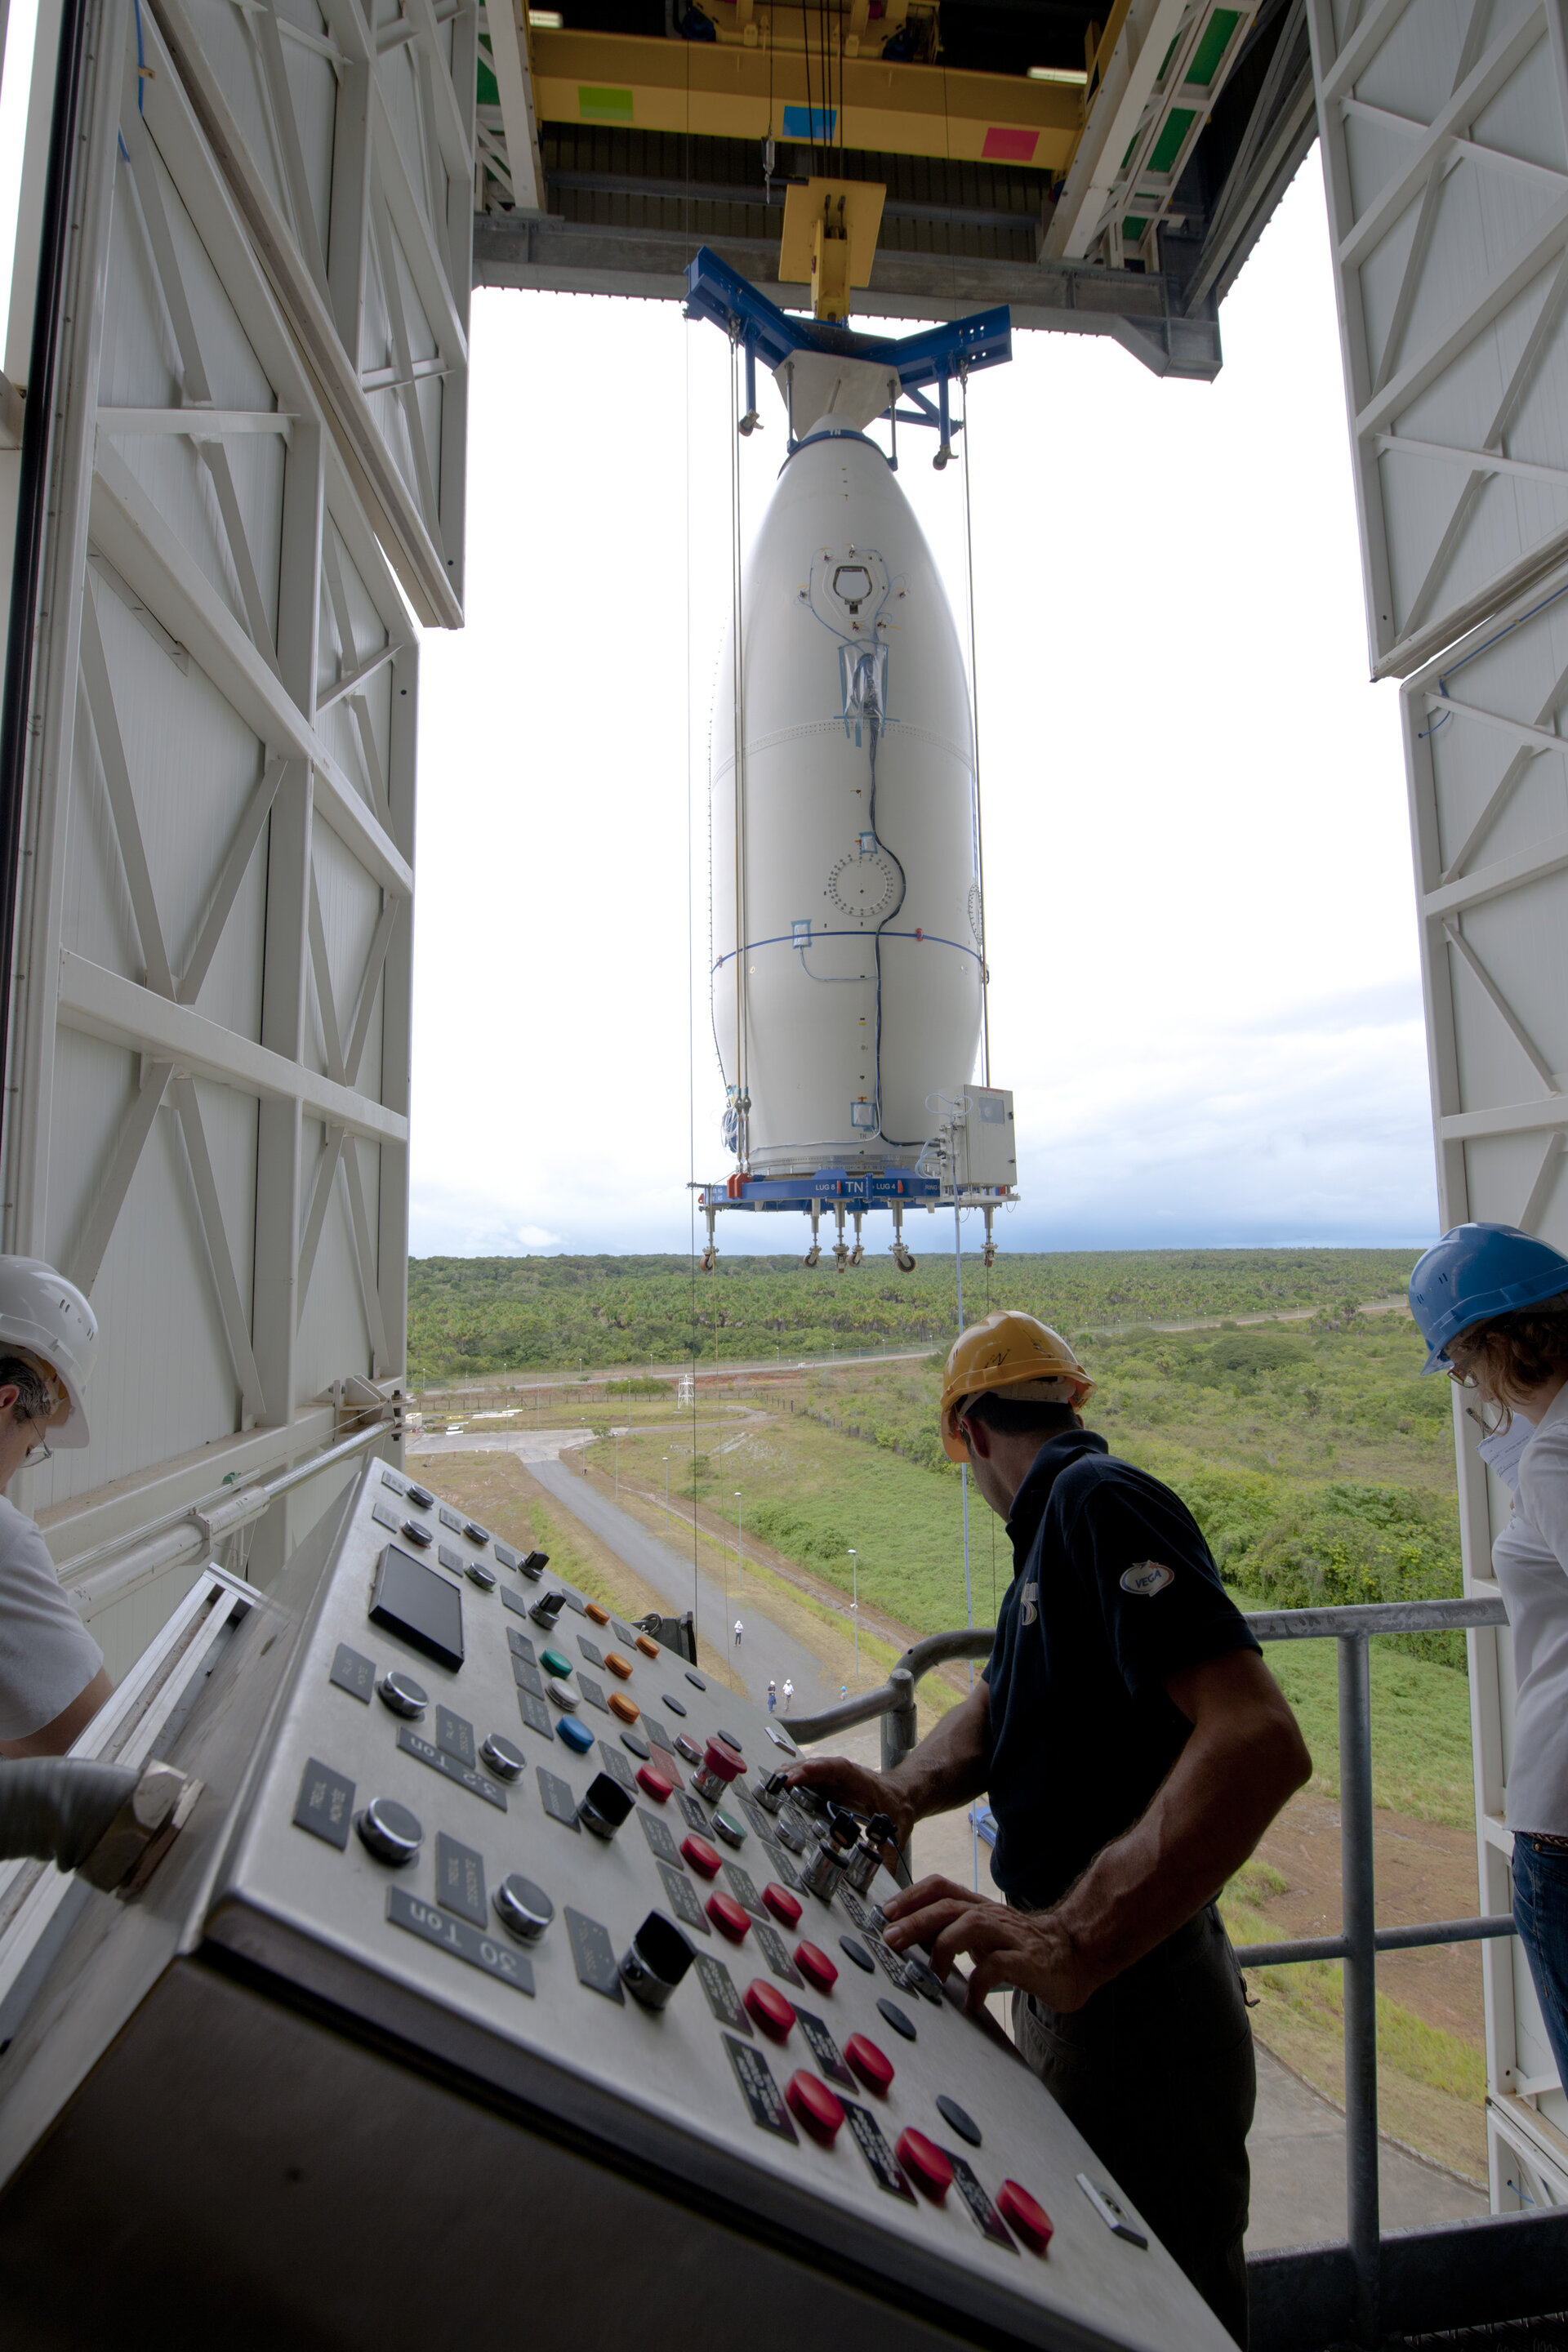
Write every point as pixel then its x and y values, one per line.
pixel 1458 1367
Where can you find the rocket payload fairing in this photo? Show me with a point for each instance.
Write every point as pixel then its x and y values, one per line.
pixel 847 945
pixel 842 816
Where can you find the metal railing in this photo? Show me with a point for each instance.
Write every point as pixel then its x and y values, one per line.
pixel 1360 1941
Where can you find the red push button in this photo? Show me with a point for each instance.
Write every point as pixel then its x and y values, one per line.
pixel 925 2164
pixel 1031 2221
pixel 654 1784
pixel 729 1917
pixel 721 1758
pixel 782 1904
pixel 813 2104
pixel 816 1965
pixel 874 2067
pixel 703 1858
pixel 768 2008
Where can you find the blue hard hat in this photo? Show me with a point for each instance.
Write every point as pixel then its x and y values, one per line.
pixel 1477 1272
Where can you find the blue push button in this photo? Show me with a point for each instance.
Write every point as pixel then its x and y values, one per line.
pixel 575 1733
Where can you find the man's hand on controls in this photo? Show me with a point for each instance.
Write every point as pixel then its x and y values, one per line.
pixel 1029 1951
pixel 857 1786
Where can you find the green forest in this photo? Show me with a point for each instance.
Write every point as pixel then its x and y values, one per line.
pixel 468 1318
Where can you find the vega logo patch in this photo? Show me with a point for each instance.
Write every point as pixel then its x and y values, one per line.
pixel 1147 1576
pixel 1029 1603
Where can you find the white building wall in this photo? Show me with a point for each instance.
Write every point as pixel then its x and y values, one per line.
pixel 1445 135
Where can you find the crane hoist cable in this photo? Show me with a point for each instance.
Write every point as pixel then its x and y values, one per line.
pixel 974 728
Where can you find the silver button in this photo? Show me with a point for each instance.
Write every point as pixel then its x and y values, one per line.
pixel 402 1693
pixel 482 1575
pixel 390 1831
pixel 523 1909
pixel 562 1693
pixel 504 1760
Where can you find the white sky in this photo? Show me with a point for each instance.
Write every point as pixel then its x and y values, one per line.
pixel 1200 908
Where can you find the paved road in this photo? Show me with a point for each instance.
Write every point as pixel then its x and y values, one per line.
pixel 765 1650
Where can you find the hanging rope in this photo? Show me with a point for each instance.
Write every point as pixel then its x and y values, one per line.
pixel 743 1105
pixel 975 727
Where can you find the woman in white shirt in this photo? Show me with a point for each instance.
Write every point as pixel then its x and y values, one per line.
pixel 1492 1304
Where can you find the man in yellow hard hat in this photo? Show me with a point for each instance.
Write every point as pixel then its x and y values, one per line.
pixel 1133 1748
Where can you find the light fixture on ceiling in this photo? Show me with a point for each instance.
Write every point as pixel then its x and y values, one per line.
pixel 544 20
pixel 1075 75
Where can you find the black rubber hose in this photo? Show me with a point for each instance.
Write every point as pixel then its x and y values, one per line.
pixel 56 1808
pixel 32 499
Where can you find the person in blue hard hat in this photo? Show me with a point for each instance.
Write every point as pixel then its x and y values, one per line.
pixel 1492 1306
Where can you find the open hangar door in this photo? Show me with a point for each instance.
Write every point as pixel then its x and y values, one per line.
pixel 1444 136
pixel 241 321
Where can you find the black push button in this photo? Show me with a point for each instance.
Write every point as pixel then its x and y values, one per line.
pixel 422 1496
pixel 655 1960
pixel 417 1535
pixel 604 1807
pixel 897 2018
pixel 325 1804
pixel 524 1908
pixel 962 2122
pixel 637 1744
pixel 676 1706
pixel 390 1831
pixel 503 1760
pixel 475 1533
pixel 403 1694
pixel 695 1680
pixel 853 1949
pixel 485 1578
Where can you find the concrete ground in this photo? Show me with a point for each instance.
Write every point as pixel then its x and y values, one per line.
pixel 1297 2144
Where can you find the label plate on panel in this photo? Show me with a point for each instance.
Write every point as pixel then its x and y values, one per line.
pixel 759 2089
pixel 409 1741
pixel 593 1693
pixel 743 1889
pixel 825 2050
pixel 661 1844
pixel 775 1951
pixel 352 1673
pixel 559 1802
pixel 987 2217
pixel 683 1899
pixel 594 1955
pixel 460 1880
pixel 325 1805
pixel 617 1768
pixel 455 1936
pixel 886 2169
pixel 719 1986
pixel 454 1736
pixel 536 1714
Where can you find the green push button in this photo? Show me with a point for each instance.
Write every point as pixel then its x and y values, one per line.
pixel 732 1831
pixel 554 1663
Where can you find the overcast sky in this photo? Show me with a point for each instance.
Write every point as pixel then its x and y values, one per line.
pixel 1200 912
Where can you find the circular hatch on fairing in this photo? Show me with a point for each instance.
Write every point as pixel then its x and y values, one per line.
pixel 865 888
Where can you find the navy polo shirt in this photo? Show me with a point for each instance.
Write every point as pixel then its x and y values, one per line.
pixel 1113 1590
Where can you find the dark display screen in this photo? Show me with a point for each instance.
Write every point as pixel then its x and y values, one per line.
pixel 414 1601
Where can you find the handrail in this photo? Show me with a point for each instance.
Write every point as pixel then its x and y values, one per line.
pixel 206 1523
pixel 1353 1627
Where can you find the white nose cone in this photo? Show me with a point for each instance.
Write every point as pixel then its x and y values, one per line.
pixel 849 836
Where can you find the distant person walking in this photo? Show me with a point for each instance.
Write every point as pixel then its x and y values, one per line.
pixel 789 1692
pixel 1492 1307
pixel 739 1629
pixel 772 1697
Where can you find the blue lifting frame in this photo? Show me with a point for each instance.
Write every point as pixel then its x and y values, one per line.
pixel 956 347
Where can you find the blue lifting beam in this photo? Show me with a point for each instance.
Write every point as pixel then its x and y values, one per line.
pixel 934 356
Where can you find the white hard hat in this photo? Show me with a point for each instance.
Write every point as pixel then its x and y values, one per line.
pixel 43 1315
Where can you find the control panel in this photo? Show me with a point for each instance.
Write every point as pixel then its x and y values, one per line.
pixel 494 1817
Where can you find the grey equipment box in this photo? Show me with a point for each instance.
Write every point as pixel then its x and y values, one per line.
pixel 293 2095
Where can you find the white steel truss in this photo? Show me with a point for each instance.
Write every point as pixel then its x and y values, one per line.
pixel 1444 126
pixel 345 131
pixel 209 1035
pixel 1445 161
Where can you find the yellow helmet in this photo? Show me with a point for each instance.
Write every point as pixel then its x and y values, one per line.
pixel 1011 1351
